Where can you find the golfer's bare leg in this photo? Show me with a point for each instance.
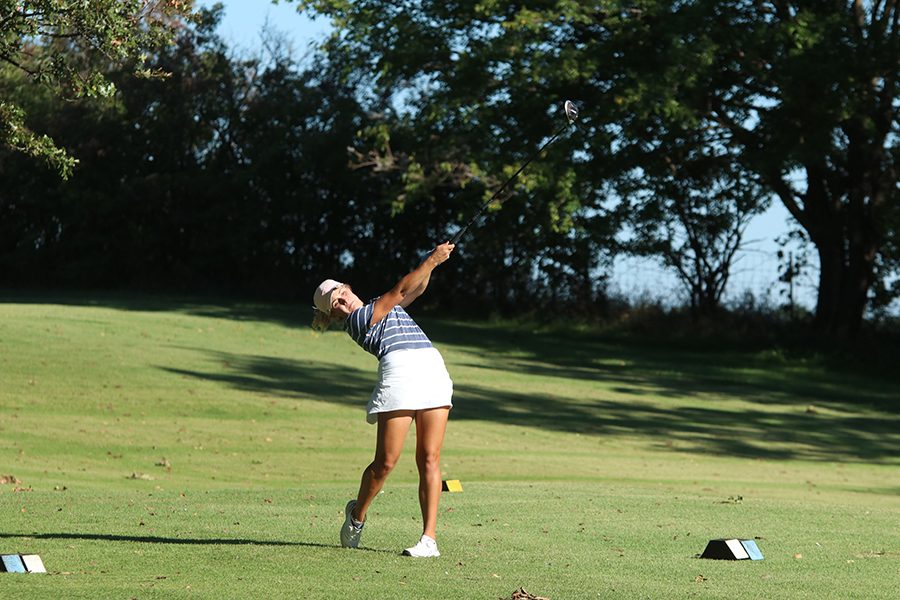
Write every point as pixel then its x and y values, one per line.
pixel 392 429
pixel 430 427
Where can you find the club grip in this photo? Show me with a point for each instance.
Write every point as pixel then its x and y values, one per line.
pixel 458 235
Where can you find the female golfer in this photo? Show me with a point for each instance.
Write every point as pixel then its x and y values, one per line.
pixel 413 385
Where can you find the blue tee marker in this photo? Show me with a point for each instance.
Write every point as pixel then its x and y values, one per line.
pixel 12 563
pixel 752 549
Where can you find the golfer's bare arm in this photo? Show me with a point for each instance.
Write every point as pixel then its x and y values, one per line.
pixel 415 293
pixel 412 285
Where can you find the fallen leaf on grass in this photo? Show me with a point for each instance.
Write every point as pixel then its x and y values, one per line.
pixel 732 500
pixel 700 579
pixel 9 479
pixel 523 594
pixel 141 476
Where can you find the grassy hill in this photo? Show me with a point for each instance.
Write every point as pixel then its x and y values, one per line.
pixel 170 448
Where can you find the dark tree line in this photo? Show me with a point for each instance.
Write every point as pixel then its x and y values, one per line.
pixel 258 175
pixel 227 173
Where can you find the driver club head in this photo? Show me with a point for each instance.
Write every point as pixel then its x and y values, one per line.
pixel 571 111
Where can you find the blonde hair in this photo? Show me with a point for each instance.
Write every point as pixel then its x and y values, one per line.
pixel 322 321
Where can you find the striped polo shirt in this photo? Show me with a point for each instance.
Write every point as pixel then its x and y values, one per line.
pixel 396 331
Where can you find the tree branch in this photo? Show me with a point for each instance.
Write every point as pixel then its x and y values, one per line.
pixel 18 66
pixel 787 197
pixel 859 13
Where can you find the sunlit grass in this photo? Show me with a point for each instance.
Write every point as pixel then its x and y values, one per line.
pixel 170 448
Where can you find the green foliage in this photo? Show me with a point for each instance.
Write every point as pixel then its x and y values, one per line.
pixel 16 135
pixel 801 96
pixel 69 46
pixel 209 168
pixel 690 209
pixel 469 85
pixel 229 173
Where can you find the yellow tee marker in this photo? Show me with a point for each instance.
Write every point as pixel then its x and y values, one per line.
pixel 451 485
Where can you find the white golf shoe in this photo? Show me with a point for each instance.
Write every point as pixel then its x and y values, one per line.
pixel 351 530
pixel 426 548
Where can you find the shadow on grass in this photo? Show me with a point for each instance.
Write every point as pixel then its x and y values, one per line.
pixel 855 414
pixel 718 430
pixel 681 367
pixel 287 378
pixel 145 539
pixel 723 427
pixel 768 376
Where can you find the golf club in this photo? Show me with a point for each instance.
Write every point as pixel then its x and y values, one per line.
pixel 571 111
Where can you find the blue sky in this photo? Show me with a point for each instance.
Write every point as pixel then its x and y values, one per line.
pixel 245 18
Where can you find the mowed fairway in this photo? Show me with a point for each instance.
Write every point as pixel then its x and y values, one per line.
pixel 177 449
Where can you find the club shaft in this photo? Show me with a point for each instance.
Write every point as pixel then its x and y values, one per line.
pixel 499 191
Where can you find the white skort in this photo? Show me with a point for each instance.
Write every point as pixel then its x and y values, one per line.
pixel 410 380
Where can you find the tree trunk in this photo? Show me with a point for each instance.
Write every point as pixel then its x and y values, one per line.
pixel 845 276
pixel 830 272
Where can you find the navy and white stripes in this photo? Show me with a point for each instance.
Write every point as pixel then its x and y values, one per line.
pixel 396 331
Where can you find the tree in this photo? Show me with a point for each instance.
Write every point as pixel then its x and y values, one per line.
pixel 806 93
pixel 69 45
pixel 462 117
pixel 692 213
pixel 231 173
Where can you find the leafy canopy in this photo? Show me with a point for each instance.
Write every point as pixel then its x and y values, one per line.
pixel 69 45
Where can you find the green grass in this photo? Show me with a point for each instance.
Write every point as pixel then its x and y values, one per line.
pixel 178 449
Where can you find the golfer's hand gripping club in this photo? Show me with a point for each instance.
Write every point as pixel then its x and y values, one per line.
pixel 442 252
